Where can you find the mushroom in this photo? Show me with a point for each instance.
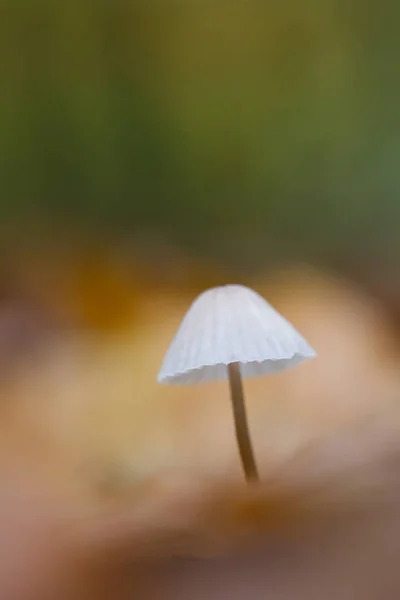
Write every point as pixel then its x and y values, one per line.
pixel 231 332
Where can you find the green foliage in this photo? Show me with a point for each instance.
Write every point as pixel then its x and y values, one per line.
pixel 232 128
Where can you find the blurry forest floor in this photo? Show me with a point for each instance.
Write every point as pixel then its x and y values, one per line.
pixel 81 402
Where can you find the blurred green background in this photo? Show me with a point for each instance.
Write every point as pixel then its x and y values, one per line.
pixel 245 132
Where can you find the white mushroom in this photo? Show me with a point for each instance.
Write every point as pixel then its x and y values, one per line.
pixel 227 333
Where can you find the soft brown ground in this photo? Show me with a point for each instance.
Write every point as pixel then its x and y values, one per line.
pixel 106 475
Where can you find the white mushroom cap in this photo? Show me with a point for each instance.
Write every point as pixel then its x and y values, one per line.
pixel 231 324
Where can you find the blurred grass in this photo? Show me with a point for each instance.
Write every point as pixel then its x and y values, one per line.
pixel 244 131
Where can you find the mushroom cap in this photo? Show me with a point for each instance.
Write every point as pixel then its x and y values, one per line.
pixel 231 324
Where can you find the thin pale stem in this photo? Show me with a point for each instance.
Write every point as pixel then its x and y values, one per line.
pixel 241 424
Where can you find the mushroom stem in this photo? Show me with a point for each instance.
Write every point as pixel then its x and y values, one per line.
pixel 241 424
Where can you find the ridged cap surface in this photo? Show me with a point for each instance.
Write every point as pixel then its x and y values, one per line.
pixel 230 324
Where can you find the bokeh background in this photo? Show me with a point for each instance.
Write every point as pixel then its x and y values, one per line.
pixel 151 149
